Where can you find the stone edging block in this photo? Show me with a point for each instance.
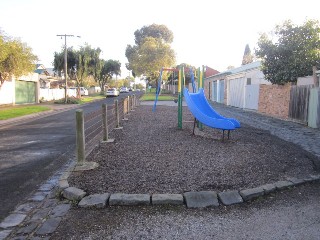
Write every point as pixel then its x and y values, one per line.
pixel 249 194
pixel 230 197
pixel 129 199
pixel 94 200
pixel 201 199
pixel 73 194
pixel 163 199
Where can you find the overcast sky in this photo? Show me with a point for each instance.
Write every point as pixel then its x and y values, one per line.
pixel 206 32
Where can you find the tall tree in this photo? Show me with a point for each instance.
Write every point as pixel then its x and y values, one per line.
pixel 109 69
pixel 154 31
pixel 81 64
pixel 151 52
pixel 16 58
pixel 293 54
pixel 247 56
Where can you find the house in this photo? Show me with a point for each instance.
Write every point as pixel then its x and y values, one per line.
pixel 238 87
pixel 20 90
pixel 47 77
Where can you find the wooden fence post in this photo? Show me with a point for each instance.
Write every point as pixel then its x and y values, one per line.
pixel 116 103
pixel 128 108
pixel 105 124
pixel 80 138
pixel 133 101
pixel 125 109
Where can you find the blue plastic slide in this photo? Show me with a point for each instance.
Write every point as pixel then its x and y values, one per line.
pixel 204 113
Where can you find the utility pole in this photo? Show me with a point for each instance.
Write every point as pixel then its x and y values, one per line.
pixel 65 64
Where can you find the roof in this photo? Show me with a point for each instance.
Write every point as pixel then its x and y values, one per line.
pixel 243 68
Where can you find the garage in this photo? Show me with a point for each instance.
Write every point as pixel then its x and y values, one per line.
pixel 236 92
pixel 25 92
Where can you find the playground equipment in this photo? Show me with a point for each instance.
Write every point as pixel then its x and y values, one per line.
pixel 197 102
pixel 204 113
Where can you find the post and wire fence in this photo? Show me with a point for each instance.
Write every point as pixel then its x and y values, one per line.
pixel 94 127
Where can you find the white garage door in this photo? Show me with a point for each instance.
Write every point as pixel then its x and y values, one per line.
pixel 236 92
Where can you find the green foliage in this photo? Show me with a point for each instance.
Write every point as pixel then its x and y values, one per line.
pixel 247 56
pixel 109 68
pixel 86 63
pixel 293 54
pixel 155 31
pixel 174 75
pixel 151 52
pixel 16 58
pixel 70 100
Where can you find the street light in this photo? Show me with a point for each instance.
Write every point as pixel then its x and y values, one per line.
pixel 65 63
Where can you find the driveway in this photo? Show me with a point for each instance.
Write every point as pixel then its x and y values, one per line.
pixel 33 148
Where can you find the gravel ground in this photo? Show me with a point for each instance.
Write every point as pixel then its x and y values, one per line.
pixel 151 155
pixel 289 215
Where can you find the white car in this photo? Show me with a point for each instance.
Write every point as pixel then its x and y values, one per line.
pixel 112 92
pixel 83 91
pixel 124 90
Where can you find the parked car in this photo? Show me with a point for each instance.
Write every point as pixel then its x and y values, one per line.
pixel 112 92
pixel 124 90
pixel 84 91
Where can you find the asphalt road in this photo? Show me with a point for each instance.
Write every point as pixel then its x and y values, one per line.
pixel 33 150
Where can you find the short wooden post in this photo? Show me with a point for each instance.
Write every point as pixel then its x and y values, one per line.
pixel 125 109
pixel 116 103
pixel 80 138
pixel 131 104
pixel 105 124
pixel 133 101
pixel 128 108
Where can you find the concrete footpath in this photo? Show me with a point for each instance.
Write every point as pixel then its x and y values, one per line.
pixel 40 216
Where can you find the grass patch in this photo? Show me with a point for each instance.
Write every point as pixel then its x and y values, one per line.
pixel 19 111
pixel 82 100
pixel 87 99
pixel 152 97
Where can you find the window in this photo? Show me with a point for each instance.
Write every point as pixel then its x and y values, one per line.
pixel 248 81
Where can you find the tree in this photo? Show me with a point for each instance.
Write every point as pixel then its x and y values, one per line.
pixel 247 56
pixel 109 69
pixel 16 58
pixel 174 75
pixel 81 64
pixel 294 53
pixel 151 52
pixel 154 31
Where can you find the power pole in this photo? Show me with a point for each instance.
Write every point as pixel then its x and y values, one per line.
pixel 65 64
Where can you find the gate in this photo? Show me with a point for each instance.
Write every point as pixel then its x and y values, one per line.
pixel 252 96
pixel 221 91
pixel 25 92
pixel 236 93
pixel 214 91
pixel 299 103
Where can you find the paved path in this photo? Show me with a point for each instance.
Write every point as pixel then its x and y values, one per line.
pixel 41 215
pixel 307 138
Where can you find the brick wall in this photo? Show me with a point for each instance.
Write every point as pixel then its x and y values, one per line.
pixel 274 100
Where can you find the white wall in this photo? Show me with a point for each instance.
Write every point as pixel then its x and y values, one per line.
pixel 7 92
pixel 47 94
pixel 305 81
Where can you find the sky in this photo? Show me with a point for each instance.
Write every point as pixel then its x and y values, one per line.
pixel 206 32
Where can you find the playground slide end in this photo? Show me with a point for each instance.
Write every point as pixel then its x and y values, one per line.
pixel 203 112
pixel 210 110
